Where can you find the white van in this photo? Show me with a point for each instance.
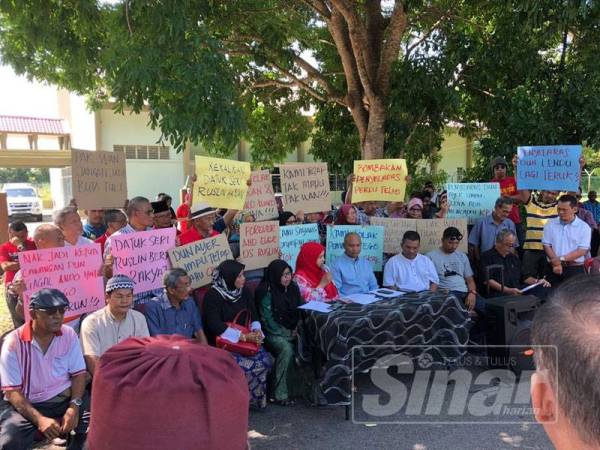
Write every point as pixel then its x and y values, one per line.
pixel 23 201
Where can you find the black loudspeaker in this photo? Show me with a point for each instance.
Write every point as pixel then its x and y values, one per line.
pixel 508 323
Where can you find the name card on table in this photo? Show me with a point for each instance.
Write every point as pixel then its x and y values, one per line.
pixel 199 258
pixel 371 239
pixel 259 243
pixel 260 200
pixel 291 238
pixel 143 257
pixel 305 187
pixel 99 179
pixel 394 230
pixel 222 183
pixel 549 167
pixel 431 231
pixel 75 271
pixel 379 179
pixel 471 200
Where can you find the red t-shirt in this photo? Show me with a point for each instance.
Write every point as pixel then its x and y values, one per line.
pixel 192 235
pixel 102 241
pixel 183 212
pixel 10 253
pixel 508 188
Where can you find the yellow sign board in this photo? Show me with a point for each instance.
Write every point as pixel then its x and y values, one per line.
pixel 379 180
pixel 221 183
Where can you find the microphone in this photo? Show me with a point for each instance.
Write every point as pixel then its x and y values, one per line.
pixel 325 268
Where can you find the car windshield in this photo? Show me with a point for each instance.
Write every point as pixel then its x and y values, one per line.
pixel 22 192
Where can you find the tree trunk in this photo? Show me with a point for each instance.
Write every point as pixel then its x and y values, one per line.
pixel 374 140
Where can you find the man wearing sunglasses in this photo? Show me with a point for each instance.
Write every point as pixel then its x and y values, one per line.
pixel 43 377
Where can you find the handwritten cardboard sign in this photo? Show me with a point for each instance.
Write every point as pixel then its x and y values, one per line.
pixel 431 231
pixel 371 240
pixel 142 256
pixel 222 183
pixel 259 243
pixel 379 179
pixel 99 179
pixel 291 238
pixel 199 258
pixel 471 200
pixel 549 167
pixel 305 187
pixel 75 271
pixel 394 230
pixel 3 218
pixel 260 200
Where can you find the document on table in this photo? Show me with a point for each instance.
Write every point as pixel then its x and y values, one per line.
pixel 316 306
pixel 387 293
pixel 361 299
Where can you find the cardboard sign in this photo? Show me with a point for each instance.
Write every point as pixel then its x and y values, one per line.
pixel 431 231
pixel 199 258
pixel 260 200
pixel 549 167
pixel 75 271
pixel 221 183
pixel 142 256
pixel 379 179
pixel 305 187
pixel 259 243
pixel 99 179
pixel 3 218
pixel 394 230
pixel 291 238
pixel 471 200
pixel 371 239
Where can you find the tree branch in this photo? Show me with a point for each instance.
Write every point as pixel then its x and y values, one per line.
pixel 410 48
pixel 391 47
pixel 320 7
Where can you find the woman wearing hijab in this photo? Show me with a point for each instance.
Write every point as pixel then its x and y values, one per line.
pixel 347 215
pixel 314 281
pixel 223 301
pixel 278 298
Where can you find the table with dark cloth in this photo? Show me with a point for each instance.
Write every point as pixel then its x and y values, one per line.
pixel 436 322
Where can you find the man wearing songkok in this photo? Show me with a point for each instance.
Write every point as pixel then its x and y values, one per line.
pixel 112 324
pixel 94 226
pixel 162 215
pixel 68 220
pixel 352 273
pixel 140 382
pixel 174 311
pixel 409 270
pixel 43 377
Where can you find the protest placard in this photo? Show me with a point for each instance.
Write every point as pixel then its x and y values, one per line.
pixel 379 179
pixel 142 256
pixel 199 258
pixel 3 218
pixel 371 239
pixel 471 200
pixel 259 243
pixel 291 238
pixel 431 231
pixel 99 179
pixel 549 167
pixel 222 183
pixel 75 271
pixel 260 200
pixel 394 230
pixel 305 187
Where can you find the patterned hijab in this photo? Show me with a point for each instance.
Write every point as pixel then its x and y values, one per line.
pixel 224 277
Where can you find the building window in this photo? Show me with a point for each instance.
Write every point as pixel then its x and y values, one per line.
pixel 143 151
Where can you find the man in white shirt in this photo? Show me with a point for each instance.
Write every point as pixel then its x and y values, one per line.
pixel 566 241
pixel 409 270
pixel 68 220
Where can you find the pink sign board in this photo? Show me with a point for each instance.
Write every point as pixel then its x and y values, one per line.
pixel 73 270
pixel 143 256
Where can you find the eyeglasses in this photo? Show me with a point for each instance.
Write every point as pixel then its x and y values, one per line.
pixel 286 274
pixel 51 311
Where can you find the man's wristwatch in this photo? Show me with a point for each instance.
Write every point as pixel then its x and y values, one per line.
pixel 76 401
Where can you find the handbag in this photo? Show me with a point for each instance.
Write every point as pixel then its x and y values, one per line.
pixel 241 348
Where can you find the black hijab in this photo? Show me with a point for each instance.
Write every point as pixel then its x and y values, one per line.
pixel 224 277
pixel 284 301
pixel 284 217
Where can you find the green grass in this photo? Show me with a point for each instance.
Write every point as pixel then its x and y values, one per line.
pixel 5 320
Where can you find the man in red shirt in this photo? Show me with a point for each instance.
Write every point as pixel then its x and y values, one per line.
pixel 202 222
pixel 115 220
pixel 508 188
pixel 18 241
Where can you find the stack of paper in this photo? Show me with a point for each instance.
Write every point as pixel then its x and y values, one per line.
pixel 316 306
pixel 361 299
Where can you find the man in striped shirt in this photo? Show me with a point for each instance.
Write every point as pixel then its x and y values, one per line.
pixel 43 377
